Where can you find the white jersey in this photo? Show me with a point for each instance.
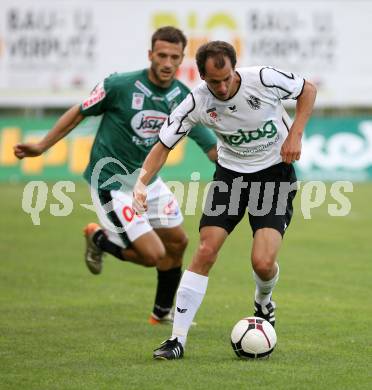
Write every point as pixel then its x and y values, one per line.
pixel 251 126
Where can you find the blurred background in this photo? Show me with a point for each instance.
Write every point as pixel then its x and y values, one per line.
pixel 52 53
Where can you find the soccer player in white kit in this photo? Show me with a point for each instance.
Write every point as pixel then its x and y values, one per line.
pixel 257 144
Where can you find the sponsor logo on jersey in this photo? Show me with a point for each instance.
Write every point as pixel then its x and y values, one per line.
pixel 143 88
pixel 145 142
pixel 147 123
pixel 255 149
pixel 254 102
pixel 213 115
pixel 157 98
pixel 95 96
pixel 233 108
pixel 173 94
pixel 137 101
pixel 268 130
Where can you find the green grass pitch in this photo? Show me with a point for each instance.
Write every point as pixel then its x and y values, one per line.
pixel 63 328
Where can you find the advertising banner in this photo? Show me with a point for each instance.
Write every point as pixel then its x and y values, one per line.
pixel 333 149
pixel 52 53
pixel 68 159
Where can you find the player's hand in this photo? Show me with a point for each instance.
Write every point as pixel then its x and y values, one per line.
pixel 291 148
pixel 139 203
pixel 27 150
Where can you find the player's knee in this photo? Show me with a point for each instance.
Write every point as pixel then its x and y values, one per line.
pixel 176 247
pixel 207 253
pixel 180 244
pixel 263 264
pixel 154 256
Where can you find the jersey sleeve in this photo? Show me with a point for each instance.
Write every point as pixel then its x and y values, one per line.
pixel 204 137
pixel 99 99
pixel 179 123
pixel 284 85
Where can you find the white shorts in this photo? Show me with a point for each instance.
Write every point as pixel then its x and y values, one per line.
pixel 123 226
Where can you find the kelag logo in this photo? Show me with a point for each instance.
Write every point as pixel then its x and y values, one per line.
pixel 245 137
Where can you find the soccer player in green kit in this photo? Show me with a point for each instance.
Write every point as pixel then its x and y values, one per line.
pixel 134 107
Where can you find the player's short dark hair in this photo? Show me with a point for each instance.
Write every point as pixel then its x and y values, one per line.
pixel 218 50
pixel 169 34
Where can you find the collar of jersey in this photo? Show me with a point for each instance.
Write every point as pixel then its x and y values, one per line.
pixel 240 77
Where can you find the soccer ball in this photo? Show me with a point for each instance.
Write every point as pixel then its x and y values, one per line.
pixel 253 338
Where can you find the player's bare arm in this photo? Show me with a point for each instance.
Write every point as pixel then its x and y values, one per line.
pixel 291 148
pixel 151 166
pixel 68 121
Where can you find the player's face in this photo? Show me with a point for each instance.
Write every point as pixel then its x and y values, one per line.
pixel 165 58
pixel 223 82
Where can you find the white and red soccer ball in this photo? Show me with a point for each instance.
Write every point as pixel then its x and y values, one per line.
pixel 253 338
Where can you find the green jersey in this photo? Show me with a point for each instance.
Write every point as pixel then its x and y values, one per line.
pixel 134 110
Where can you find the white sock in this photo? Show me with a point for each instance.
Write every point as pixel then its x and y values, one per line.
pixel 190 295
pixel 264 288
